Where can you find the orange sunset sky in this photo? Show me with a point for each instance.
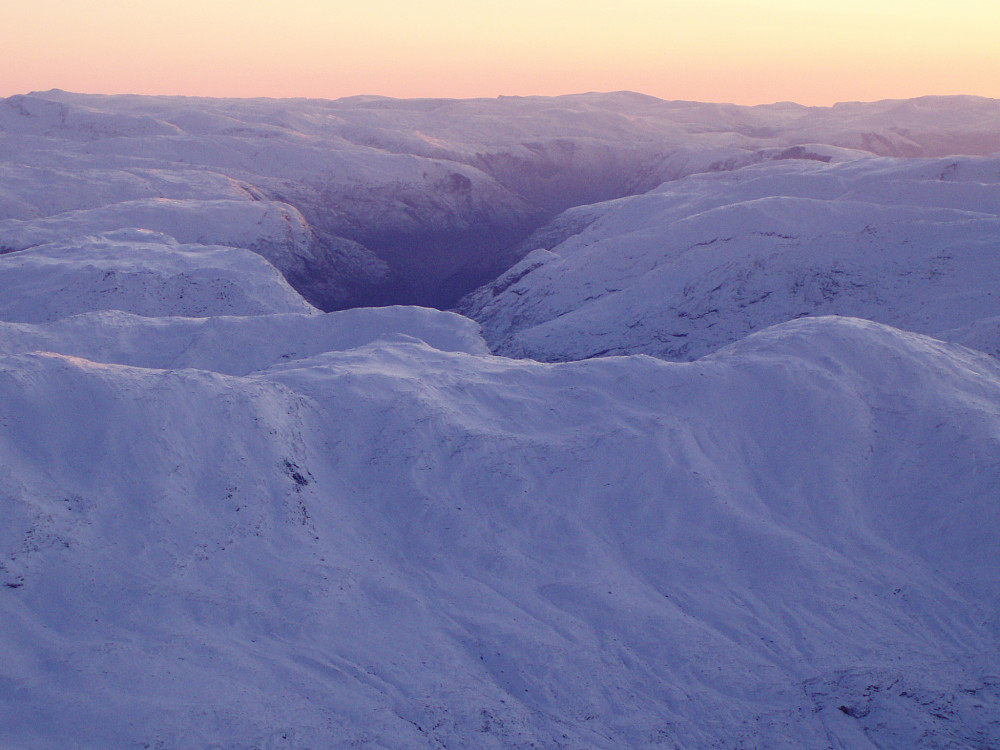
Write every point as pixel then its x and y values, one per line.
pixel 708 50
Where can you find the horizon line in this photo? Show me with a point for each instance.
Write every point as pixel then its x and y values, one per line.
pixel 55 90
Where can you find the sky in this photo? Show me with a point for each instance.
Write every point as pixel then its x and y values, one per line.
pixel 813 52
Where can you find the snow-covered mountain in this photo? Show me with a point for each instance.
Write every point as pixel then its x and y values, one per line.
pixel 141 272
pixel 416 201
pixel 228 519
pixel 788 544
pixel 703 261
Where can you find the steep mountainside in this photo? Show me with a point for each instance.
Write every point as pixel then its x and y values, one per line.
pixel 703 261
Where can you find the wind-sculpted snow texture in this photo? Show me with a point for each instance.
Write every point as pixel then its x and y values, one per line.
pixel 377 201
pixel 790 543
pixel 228 519
pixel 701 262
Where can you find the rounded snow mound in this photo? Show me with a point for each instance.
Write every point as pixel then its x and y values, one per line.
pixel 236 345
pixel 35 115
pixel 274 230
pixel 141 272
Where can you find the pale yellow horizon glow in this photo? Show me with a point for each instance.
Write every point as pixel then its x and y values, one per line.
pixel 707 50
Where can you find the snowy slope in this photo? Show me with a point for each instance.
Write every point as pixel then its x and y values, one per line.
pixel 274 230
pixel 141 272
pixel 786 544
pixel 421 201
pixel 235 344
pixel 228 520
pixel 703 261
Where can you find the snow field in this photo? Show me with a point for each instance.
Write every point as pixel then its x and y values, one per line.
pixel 230 520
